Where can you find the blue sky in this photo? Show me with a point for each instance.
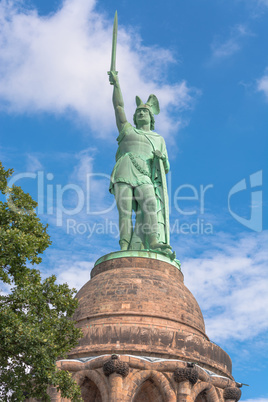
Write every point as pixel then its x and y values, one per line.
pixel 207 62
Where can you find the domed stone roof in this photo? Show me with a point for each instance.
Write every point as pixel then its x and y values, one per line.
pixel 140 306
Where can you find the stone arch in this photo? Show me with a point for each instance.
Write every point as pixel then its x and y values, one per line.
pixel 90 391
pixel 92 383
pixel 150 386
pixel 204 392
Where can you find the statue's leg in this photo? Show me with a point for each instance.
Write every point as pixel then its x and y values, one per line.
pixel 137 240
pixel 145 196
pixel 124 195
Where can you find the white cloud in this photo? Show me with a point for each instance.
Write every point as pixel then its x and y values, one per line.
pixel 263 2
pixel 255 400
pixel 94 186
pixel 58 63
pixel 262 85
pixel 84 165
pixel 69 266
pixel 5 289
pixel 33 163
pixel 75 274
pixel 230 283
pixel 222 49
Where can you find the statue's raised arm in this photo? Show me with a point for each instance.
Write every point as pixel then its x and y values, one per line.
pixel 118 101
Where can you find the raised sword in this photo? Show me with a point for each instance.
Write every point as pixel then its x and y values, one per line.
pixel 113 58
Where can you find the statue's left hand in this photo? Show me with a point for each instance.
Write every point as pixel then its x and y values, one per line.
pixel 158 154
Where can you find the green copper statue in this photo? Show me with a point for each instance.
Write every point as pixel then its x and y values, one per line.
pixel 138 180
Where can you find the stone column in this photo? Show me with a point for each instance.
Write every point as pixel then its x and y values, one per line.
pixel 116 386
pixel 184 392
pixel 116 370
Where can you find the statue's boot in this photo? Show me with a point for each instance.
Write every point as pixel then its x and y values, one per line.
pixel 168 252
pixel 165 249
pixel 171 254
pixel 154 244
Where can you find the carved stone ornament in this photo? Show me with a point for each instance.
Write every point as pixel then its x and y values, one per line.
pixel 115 366
pixel 186 374
pixel 232 393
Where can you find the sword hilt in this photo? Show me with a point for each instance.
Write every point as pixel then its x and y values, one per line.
pixel 109 73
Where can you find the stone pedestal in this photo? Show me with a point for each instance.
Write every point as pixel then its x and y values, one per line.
pixel 144 336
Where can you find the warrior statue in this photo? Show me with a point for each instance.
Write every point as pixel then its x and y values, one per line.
pixel 138 179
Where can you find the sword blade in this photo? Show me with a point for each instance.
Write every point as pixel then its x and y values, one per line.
pixel 113 59
pixel 165 199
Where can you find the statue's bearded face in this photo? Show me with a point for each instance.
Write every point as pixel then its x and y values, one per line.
pixel 142 116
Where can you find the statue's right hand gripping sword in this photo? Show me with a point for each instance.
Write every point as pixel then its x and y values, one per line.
pixel 112 68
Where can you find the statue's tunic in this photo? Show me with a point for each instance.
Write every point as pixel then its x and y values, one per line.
pixel 134 156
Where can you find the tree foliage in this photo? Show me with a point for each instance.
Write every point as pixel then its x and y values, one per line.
pixel 35 315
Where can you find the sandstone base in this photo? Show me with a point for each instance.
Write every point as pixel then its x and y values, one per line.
pixel 144 337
